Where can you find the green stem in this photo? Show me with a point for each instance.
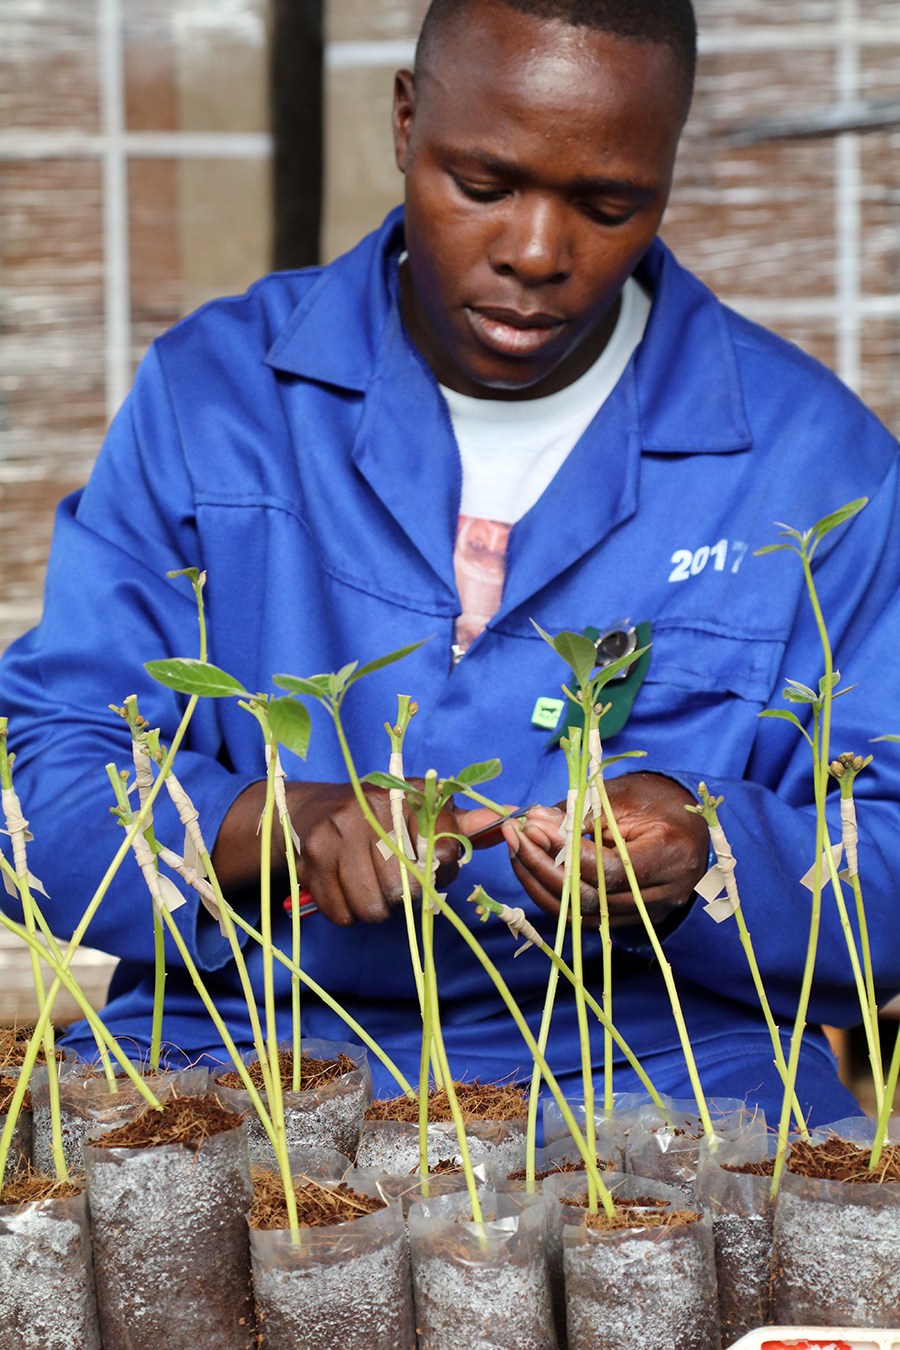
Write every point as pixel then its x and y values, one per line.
pixel 405 1087
pixel 297 1048
pixel 19 838
pixel 487 903
pixel 887 1106
pixel 590 1159
pixel 98 1029
pixel 52 945
pixel 664 965
pixel 821 743
pixel 767 1014
pixel 590 1162
pixel 870 1024
pixel 544 1036
pixel 574 861
pixel 425 1062
pixel 159 987
pixel 606 945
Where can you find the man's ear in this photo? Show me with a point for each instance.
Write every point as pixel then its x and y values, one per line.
pixel 403 114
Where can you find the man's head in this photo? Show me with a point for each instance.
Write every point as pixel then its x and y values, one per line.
pixel 538 139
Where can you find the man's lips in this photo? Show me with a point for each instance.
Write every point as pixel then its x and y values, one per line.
pixel 511 332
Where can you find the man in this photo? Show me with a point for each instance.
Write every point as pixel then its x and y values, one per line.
pixel 509 404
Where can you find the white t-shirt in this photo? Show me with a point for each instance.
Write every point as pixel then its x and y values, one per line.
pixel 511 450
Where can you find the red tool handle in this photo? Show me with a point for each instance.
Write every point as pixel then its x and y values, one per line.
pixel 307 904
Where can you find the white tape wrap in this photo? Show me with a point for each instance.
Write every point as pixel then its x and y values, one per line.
pixel 17 829
pixel 720 877
pixel 165 893
pixel 564 856
pixel 851 834
pixel 595 749
pixel 194 847
pixel 194 879
pixel 421 856
pixel 519 926
pixel 143 776
pixel 281 805
pixel 837 852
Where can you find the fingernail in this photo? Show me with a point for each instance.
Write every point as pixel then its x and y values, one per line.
pixel 514 842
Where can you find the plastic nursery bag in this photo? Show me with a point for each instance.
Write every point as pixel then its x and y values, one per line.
pixel 742 1213
pixel 320 1164
pixel 21 1144
pixel 344 1287
pixel 47 1297
pixel 171 1246
pixel 327 1117
pixel 86 1102
pixel 837 1245
pixel 615 1127
pixel 409 1190
pixel 669 1149
pixel 553 1158
pixel 634 1288
pixel 483 1286
pixel 393 1145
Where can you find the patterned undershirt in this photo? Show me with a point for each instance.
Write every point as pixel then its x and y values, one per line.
pixel 511 451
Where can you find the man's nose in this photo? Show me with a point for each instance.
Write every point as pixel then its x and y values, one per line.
pixel 533 244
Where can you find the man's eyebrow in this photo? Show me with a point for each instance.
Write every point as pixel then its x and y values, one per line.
pixel 503 168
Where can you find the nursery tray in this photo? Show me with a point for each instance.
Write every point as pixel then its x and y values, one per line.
pixel 818 1338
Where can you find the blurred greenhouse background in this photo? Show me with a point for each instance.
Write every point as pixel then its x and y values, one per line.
pixel 157 153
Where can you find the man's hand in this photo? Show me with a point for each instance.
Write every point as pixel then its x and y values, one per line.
pixel 339 862
pixel 668 847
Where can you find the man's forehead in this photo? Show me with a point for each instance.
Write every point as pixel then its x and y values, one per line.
pixel 493 52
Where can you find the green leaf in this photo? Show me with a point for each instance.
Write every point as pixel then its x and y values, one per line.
pixel 836 518
pixel 810 694
pixel 460 838
pixel 578 652
pixel 609 672
pixel 338 681
pixel 773 548
pixel 317 686
pixel 479 773
pixel 189 676
pixel 626 754
pixel 788 532
pixel 835 681
pixel 873 739
pixel 290 724
pixel 192 573
pixel 841 692
pixel 787 716
pixel 386 780
pixel 388 660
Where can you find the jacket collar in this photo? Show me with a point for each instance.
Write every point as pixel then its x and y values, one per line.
pixel 689 396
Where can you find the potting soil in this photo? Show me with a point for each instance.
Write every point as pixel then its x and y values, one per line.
pixel 482 1286
pixel 47 1297
pixel 345 1286
pixel 171 1245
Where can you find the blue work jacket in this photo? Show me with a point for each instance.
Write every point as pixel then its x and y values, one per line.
pixel 295 444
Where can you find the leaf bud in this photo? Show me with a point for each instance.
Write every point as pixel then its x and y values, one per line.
pixel 837 768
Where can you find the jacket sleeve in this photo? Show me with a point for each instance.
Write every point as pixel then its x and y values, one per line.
pixel 108 608
pixel 769 815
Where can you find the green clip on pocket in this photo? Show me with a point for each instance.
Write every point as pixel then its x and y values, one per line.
pixel 620 693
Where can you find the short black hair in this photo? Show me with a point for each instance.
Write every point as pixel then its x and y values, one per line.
pixel 672 22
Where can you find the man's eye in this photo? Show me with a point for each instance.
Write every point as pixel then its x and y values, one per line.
pixel 609 215
pixel 478 194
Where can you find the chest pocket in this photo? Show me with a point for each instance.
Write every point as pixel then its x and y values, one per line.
pixel 704 687
pixel 696 656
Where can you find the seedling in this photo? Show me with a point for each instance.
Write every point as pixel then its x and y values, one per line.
pixel 804 544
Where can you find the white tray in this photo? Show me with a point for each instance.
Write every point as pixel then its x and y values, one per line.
pixel 818 1338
